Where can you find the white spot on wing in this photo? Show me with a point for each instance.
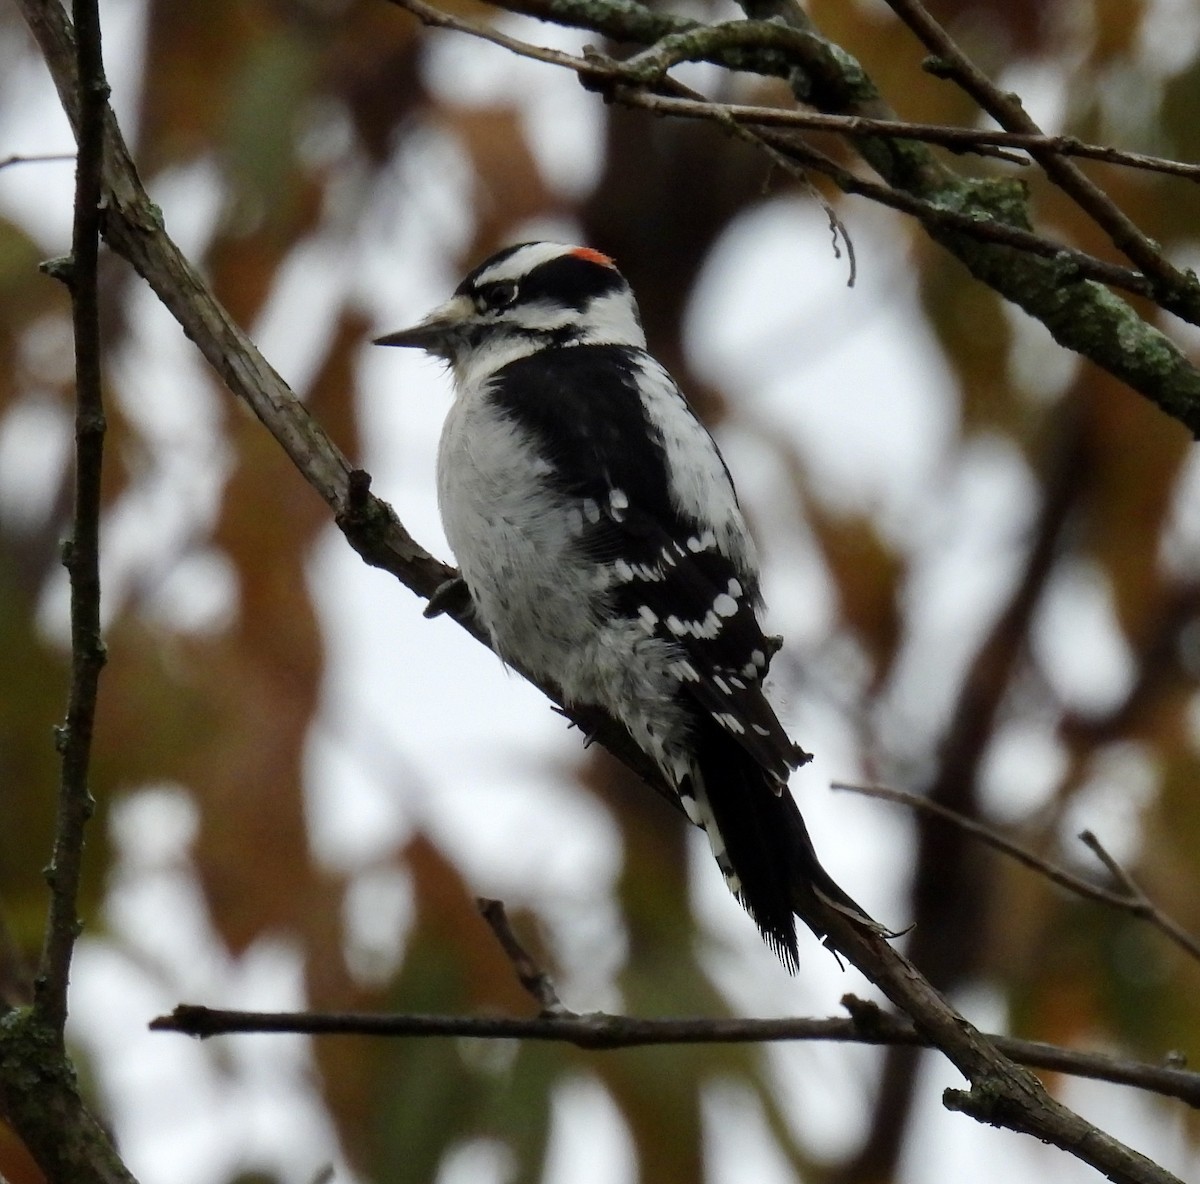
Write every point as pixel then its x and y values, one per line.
pixel 700 485
pixel 725 606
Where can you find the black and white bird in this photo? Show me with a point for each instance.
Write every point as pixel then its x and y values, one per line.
pixel 599 535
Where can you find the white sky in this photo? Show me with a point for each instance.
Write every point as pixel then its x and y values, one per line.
pixel 775 325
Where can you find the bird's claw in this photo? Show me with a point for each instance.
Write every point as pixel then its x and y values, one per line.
pixel 452 596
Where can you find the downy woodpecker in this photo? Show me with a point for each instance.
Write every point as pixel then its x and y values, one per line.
pixel 599 535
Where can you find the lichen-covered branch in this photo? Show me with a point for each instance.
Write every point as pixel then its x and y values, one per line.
pixel 1081 314
pixel 1173 289
pixel 39 1097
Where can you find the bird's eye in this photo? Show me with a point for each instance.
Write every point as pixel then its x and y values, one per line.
pixel 492 297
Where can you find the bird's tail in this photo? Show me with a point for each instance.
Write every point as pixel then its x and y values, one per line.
pixel 761 843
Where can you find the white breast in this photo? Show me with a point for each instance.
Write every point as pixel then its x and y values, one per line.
pixel 539 596
pixel 512 537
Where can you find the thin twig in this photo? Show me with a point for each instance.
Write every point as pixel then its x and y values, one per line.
pixel 1138 902
pixel 37 158
pixel 958 139
pixel 986 834
pixel 633 22
pixel 529 974
pixel 837 229
pixel 81 553
pixel 601 1032
pixel 1132 900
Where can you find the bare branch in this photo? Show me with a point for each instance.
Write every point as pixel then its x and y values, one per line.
pixel 81 553
pixel 599 1031
pixel 1132 900
pixel 530 975
pixel 867 1024
pixel 957 139
pixel 1137 902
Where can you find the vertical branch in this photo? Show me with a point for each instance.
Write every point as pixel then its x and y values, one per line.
pixel 81 552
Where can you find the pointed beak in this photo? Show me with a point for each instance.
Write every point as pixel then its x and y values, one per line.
pixel 438 332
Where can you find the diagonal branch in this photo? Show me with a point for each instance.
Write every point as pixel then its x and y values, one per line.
pixel 529 974
pixel 1169 283
pixel 1137 902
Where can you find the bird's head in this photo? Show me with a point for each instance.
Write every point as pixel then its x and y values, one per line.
pixel 523 299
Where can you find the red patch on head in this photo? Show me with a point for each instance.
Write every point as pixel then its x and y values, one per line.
pixel 593 256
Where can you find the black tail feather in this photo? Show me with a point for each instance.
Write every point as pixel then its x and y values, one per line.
pixel 767 846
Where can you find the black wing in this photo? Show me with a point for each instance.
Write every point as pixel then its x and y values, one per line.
pixel 669 570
